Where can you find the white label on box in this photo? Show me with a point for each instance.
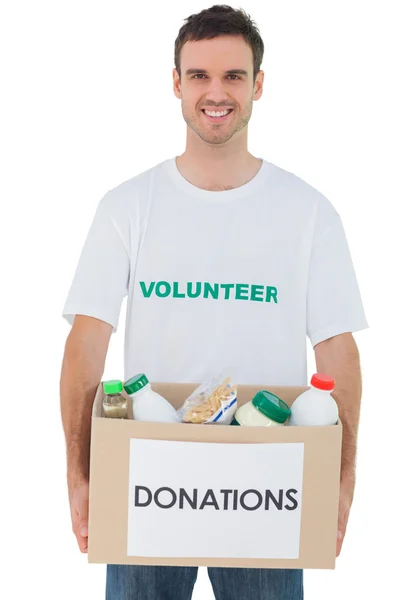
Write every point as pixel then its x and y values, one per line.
pixel 196 499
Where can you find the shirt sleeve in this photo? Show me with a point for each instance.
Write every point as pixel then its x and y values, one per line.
pixel 334 304
pixel 102 276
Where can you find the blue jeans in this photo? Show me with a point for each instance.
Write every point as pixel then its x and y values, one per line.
pixel 134 582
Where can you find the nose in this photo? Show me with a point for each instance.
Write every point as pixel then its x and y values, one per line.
pixel 216 91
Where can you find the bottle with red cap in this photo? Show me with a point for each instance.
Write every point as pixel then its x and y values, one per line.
pixel 316 406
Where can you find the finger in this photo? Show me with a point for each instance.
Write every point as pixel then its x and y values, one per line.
pixel 81 539
pixel 82 542
pixel 82 512
pixel 339 542
pixel 83 529
pixel 83 521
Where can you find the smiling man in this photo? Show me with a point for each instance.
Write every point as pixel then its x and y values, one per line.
pixel 217 102
pixel 226 259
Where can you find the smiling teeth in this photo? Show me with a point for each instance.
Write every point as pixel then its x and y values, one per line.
pixel 216 114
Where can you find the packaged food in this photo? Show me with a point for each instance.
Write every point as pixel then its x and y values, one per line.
pixel 214 401
pixel 264 410
pixel 316 406
pixel 148 405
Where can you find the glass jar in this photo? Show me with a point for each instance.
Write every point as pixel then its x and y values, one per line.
pixel 114 404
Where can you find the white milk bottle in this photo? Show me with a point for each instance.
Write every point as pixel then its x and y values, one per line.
pixel 147 405
pixel 315 406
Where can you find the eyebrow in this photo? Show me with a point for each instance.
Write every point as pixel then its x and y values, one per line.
pixel 230 72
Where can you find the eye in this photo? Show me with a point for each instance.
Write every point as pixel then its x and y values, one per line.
pixel 203 75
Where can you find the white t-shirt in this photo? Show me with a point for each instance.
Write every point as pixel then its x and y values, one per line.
pixel 233 279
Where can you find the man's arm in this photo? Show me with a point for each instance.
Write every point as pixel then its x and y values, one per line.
pixel 339 357
pixel 82 370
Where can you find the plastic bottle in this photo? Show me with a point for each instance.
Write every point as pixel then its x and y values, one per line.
pixel 316 406
pixel 114 404
pixel 265 410
pixel 147 405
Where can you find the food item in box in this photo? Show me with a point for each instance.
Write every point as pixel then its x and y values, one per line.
pixel 316 406
pixel 114 404
pixel 147 405
pixel 214 401
pixel 264 410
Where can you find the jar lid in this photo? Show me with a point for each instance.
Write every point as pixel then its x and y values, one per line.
pixel 322 382
pixel 271 406
pixel 136 383
pixel 114 386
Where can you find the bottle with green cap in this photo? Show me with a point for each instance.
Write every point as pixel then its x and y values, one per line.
pixel 148 405
pixel 114 404
pixel 265 410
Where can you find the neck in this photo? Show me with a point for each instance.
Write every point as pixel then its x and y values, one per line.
pixel 217 168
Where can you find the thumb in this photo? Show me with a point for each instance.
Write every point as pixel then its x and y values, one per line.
pixel 83 528
pixel 83 521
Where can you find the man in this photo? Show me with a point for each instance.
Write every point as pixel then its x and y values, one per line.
pixel 270 247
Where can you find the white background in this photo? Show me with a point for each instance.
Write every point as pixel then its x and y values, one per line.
pixel 87 103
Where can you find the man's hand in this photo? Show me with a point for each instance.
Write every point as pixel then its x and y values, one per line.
pixel 79 505
pixel 345 502
pixel 82 370
pixel 338 357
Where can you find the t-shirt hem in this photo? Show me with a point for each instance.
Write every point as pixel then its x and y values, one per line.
pixel 69 315
pixel 333 330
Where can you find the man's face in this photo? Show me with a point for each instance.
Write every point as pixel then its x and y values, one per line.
pixel 209 87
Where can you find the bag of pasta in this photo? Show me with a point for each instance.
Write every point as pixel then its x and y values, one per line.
pixel 214 401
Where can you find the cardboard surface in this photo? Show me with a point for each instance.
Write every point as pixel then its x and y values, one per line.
pixel 110 468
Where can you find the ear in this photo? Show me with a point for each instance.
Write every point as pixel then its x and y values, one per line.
pixel 258 85
pixel 176 83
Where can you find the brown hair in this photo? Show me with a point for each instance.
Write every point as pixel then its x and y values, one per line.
pixel 220 19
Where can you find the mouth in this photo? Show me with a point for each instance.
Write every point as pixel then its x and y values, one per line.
pixel 217 119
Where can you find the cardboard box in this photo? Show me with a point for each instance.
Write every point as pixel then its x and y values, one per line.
pixel 213 495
